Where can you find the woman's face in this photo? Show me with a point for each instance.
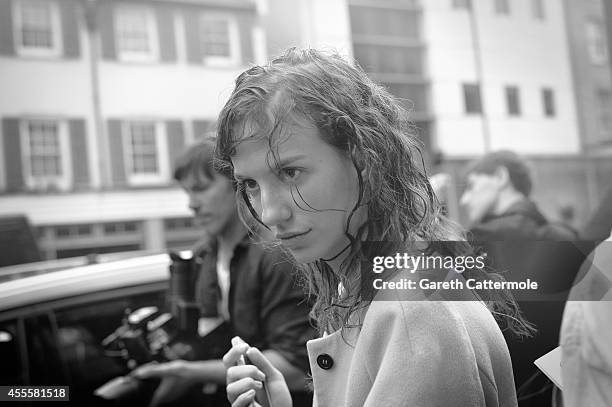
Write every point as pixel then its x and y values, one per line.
pixel 307 196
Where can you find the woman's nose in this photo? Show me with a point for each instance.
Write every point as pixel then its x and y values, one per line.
pixel 275 208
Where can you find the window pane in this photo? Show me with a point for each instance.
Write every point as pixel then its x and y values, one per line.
pixel 45 159
pixel 12 371
pixel 513 101
pixel 538 9
pixel 133 31
pixel 389 59
pixel 384 22
pixel 548 100
pixel 412 96
pixel 461 4
pixel 36 25
pixel 471 96
pixel 144 148
pixel 596 42
pixel 604 97
pixel 215 37
pixel 502 7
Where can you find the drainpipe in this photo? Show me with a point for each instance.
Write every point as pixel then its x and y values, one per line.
pixel 478 64
pixel 93 37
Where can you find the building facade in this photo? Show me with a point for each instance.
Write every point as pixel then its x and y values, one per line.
pixel 488 75
pixel 99 97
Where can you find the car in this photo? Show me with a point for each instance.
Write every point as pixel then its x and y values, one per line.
pixel 52 324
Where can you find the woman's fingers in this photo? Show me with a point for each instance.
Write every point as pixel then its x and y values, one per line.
pixel 236 373
pixel 245 399
pixel 240 387
pixel 233 355
pixel 258 359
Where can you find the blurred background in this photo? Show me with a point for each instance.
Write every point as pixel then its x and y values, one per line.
pixel 97 97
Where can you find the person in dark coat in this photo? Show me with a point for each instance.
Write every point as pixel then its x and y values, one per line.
pixel 521 243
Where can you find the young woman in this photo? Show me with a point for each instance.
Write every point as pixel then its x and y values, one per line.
pixel 326 160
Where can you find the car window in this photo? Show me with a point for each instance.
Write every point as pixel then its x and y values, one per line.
pixel 59 343
pixel 10 354
pixel 80 332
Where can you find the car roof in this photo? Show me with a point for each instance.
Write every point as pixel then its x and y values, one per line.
pixel 83 280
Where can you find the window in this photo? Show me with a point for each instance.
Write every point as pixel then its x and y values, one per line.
pixel 413 96
pixel 502 7
pixel 471 97
pixel 135 33
pixel 12 371
pixel 385 22
pixel 538 10
pixel 548 102
pixel 45 148
pixel 513 101
pixel 37 28
pixel 219 40
pixel 71 231
pixel 596 42
pixel 604 98
pixel 385 59
pixel 118 228
pixel 462 4
pixel 145 146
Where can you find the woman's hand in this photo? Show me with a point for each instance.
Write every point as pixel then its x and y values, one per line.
pixel 259 380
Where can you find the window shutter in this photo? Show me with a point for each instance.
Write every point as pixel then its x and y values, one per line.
pixel 70 27
pixel 176 140
pixel 7 45
pixel 192 37
pixel 12 154
pixel 106 26
pixel 78 153
pixel 117 158
pixel 165 28
pixel 245 25
pixel 201 128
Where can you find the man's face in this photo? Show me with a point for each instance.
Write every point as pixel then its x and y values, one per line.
pixel 212 201
pixel 480 196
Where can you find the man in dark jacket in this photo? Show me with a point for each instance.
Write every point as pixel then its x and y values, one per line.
pixel 241 284
pixel 517 238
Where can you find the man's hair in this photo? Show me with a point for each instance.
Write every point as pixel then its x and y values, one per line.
pixel 518 171
pixel 197 160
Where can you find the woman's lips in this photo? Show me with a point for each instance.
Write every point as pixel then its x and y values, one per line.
pixel 291 236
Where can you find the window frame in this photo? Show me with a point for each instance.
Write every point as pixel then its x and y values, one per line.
pixel 21 49
pixel 152 55
pixel 234 57
pixel 161 147
pixel 36 182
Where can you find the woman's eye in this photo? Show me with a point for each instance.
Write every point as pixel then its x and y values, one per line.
pixel 250 185
pixel 290 174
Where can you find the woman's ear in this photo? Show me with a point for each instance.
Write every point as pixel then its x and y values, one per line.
pixel 503 176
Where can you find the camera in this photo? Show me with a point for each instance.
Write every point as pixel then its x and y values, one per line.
pixel 150 335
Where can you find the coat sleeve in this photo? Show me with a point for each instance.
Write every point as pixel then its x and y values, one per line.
pixel 285 311
pixel 419 354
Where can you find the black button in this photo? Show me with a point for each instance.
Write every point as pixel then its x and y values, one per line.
pixel 325 361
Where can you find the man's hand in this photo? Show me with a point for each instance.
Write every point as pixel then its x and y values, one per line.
pixel 176 378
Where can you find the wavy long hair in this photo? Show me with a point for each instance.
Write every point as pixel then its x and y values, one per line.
pixel 363 121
